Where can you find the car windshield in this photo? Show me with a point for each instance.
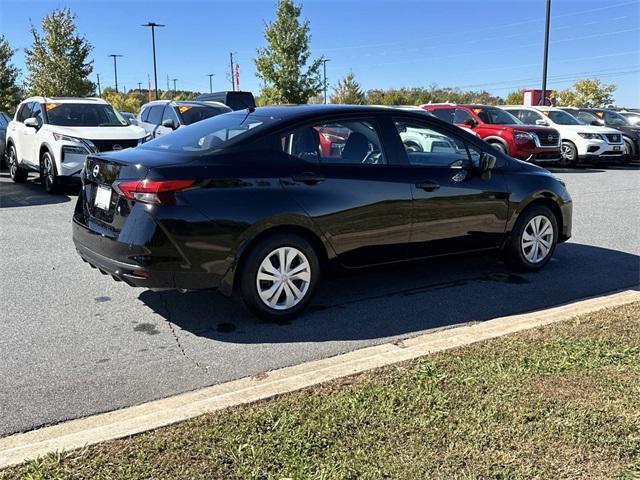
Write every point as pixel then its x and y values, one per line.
pixel 633 118
pixel 211 134
pixel 496 116
pixel 615 119
pixel 195 113
pixel 561 118
pixel 84 115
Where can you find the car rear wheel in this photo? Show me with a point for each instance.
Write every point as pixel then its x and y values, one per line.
pixel 17 173
pixel 279 277
pixel 533 239
pixel 49 174
pixel 568 154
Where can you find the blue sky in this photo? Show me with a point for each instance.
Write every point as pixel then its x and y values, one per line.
pixel 490 44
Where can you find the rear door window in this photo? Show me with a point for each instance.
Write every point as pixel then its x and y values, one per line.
pixel 341 142
pixel 445 114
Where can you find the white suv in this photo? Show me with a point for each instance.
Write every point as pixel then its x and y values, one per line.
pixel 53 136
pixel 584 143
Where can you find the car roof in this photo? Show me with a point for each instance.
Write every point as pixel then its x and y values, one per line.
pixel 88 100
pixel 287 112
pixel 180 102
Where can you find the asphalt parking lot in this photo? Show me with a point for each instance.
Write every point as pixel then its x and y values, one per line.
pixel 75 343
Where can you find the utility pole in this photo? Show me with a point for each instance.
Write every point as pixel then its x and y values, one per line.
pixel 115 68
pixel 211 75
pixel 546 53
pixel 99 90
pixel 168 87
pixel 139 87
pixel 153 26
pixel 233 83
pixel 324 75
pixel 174 84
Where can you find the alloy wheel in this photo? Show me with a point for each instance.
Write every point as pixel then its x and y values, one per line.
pixel 537 239
pixel 567 152
pixel 13 163
pixel 283 278
pixel 47 171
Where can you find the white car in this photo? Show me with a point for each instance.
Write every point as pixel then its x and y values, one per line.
pixel 53 136
pixel 580 143
pixel 164 116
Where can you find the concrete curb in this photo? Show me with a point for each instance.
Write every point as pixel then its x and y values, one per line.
pixel 140 418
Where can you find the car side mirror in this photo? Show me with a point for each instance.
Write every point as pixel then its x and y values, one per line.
pixel 32 122
pixel 541 122
pixel 597 123
pixel 169 124
pixel 487 162
pixel 470 122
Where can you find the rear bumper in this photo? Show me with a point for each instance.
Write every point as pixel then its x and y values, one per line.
pixel 133 264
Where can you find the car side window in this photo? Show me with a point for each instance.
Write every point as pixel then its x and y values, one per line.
pixel 155 114
pixel 427 146
pixel 445 114
pixel 343 142
pixel 170 114
pixel 24 112
pixel 461 115
pixel 36 112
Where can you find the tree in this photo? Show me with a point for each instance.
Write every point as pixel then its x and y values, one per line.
pixel 348 91
pixel 57 61
pixel 515 98
pixel 9 90
pixel 586 93
pixel 282 64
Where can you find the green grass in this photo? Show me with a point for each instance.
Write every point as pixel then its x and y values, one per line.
pixel 558 402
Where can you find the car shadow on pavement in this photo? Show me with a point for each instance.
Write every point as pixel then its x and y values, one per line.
pixel 30 193
pixel 405 300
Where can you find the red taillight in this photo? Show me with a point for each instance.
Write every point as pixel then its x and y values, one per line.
pixel 151 191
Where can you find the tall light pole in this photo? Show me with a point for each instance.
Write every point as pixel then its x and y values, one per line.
pixel 99 89
pixel 233 83
pixel 153 26
pixel 546 53
pixel 211 75
pixel 174 80
pixel 115 68
pixel 324 76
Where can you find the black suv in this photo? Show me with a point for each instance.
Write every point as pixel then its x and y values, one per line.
pixel 612 119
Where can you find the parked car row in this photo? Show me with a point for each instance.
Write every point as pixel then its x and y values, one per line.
pixel 548 134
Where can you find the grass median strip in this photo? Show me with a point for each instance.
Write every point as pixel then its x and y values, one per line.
pixel 557 402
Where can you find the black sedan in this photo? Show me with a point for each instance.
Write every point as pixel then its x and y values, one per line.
pixel 260 201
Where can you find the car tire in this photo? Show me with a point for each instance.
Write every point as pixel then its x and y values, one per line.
pixel 266 288
pixel 410 146
pixel 49 173
pixel 533 239
pixel 499 146
pixel 568 155
pixel 16 172
pixel 628 152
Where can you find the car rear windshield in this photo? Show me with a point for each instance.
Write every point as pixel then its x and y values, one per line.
pixel 561 117
pixel 495 116
pixel 211 134
pixel 84 115
pixel 195 113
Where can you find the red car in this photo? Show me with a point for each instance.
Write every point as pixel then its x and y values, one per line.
pixel 502 130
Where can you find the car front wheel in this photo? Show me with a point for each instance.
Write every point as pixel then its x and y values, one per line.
pixel 49 174
pixel 568 154
pixel 17 173
pixel 279 277
pixel 533 239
